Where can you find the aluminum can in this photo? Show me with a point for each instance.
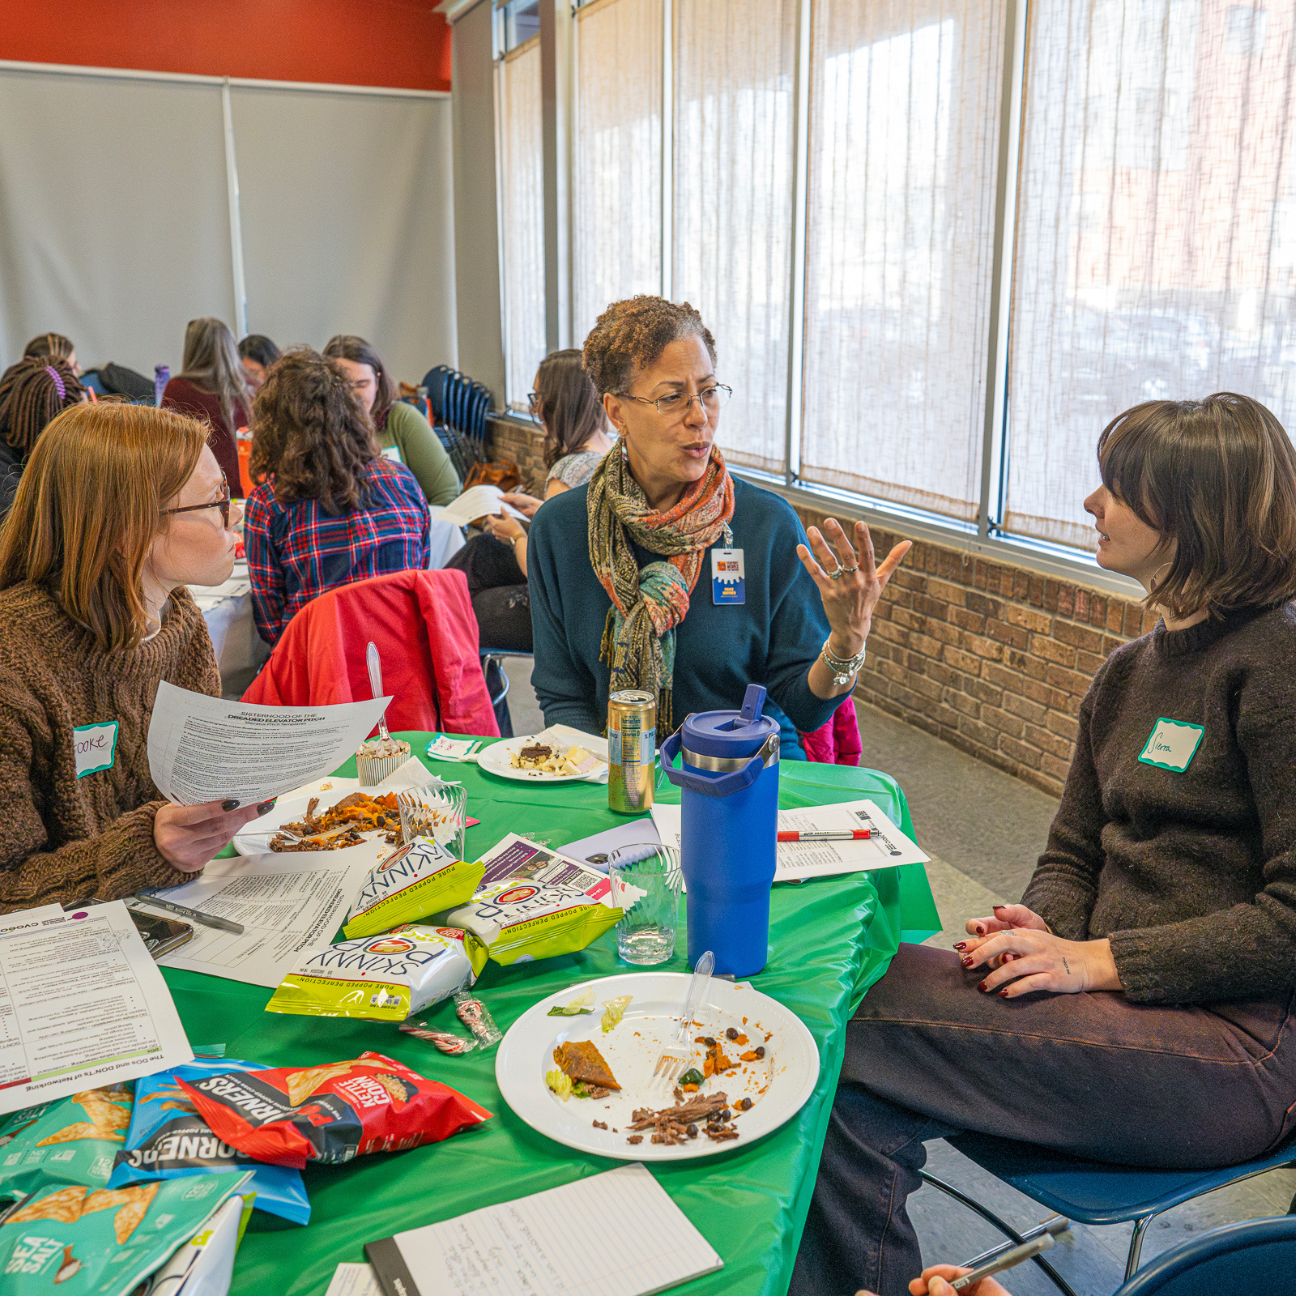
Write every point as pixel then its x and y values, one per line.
pixel 632 750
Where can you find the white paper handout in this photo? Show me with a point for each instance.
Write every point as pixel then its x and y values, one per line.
pixel 354 1280
pixel 287 904
pixel 203 748
pixel 614 1234
pixel 478 501
pixel 888 847
pixel 82 1004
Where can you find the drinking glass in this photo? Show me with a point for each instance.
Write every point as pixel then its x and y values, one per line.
pixel 646 881
pixel 438 810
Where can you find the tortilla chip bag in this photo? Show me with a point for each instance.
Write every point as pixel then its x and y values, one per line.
pixel 68 1141
pixel 104 1241
pixel 330 1113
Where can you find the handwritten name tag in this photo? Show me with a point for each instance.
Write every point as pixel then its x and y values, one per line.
pixel 1172 745
pixel 95 746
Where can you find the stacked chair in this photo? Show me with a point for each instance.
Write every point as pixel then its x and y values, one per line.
pixel 459 407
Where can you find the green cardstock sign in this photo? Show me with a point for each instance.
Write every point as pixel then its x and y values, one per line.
pixel 1171 745
pixel 95 746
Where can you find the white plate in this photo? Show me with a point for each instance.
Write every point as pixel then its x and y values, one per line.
pixel 779 1084
pixel 290 810
pixel 495 758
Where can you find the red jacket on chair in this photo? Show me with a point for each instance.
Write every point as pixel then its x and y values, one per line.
pixel 426 633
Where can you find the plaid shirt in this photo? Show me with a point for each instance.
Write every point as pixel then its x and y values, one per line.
pixel 296 552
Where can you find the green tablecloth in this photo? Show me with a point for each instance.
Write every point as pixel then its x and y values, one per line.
pixel 831 939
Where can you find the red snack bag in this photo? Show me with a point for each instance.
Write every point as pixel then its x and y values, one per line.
pixel 330 1113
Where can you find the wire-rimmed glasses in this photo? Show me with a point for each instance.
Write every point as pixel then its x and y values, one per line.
pixel 712 398
pixel 223 504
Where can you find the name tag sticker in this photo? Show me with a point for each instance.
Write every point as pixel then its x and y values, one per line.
pixel 95 746
pixel 393 453
pixel 727 583
pixel 1172 745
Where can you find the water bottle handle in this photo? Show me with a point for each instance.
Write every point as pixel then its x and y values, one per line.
pixel 725 785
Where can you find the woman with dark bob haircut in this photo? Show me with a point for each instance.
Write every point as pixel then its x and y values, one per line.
pixel 331 509
pixel 1136 1006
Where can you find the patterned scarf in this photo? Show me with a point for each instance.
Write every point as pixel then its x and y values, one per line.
pixel 639 637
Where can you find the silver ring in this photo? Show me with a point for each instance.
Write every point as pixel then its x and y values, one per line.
pixel 848 570
pixel 836 575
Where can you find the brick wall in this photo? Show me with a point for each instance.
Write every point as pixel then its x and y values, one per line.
pixel 990 657
pixel 523 445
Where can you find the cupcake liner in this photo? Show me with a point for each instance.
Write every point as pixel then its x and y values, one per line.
pixel 373 769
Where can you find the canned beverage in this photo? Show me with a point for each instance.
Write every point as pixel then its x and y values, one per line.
pixel 632 750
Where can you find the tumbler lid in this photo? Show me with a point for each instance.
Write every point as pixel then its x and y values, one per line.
pixel 730 734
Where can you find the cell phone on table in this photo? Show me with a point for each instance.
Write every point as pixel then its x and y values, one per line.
pixel 160 935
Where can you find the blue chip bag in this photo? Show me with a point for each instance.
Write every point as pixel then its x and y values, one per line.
pixel 168 1139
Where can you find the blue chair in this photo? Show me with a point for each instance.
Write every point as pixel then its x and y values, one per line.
pixel 1092 1192
pixel 1253 1256
pixel 494 657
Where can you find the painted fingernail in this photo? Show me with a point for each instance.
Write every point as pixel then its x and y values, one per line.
pixel 960 944
pixel 1003 994
pixel 966 960
pixel 985 985
pixel 231 804
pixel 265 807
pixel 980 929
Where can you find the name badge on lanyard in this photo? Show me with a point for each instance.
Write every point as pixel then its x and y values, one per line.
pixel 727 583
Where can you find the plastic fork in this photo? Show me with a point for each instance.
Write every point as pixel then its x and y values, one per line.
pixel 672 1060
pixel 375 682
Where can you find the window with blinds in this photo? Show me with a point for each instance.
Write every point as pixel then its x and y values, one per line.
pixel 1156 231
pixel 904 126
pixel 521 200
pixel 731 245
pixel 617 155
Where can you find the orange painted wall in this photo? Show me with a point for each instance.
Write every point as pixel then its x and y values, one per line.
pixel 343 42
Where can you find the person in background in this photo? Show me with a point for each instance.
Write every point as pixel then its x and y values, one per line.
pixel 403 433
pixel 575 440
pixel 619 569
pixel 54 346
pixel 121 507
pixel 32 392
pixel 331 509
pixel 1138 1006
pixel 257 353
pixel 212 386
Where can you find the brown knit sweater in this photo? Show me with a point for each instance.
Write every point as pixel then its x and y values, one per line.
pixel 1189 872
pixel 63 837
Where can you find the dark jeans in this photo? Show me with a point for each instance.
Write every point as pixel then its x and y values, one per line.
pixel 499 592
pixel 1094 1075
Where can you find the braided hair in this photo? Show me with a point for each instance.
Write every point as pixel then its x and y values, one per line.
pixel 32 392
pixel 50 344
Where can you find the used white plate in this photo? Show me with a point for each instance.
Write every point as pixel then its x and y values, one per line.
pixel 778 1085
pixel 496 759
pixel 290 810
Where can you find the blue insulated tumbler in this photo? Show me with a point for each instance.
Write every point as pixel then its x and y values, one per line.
pixel 729 826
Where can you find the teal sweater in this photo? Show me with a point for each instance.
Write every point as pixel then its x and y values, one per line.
pixel 772 639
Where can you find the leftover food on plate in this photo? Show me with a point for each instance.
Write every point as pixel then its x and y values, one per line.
pixel 583 1003
pixel 342 824
pixel 412 882
pixel 584 1064
pixel 613 1011
pixel 329 1114
pixel 708 1114
pixel 546 758
pixel 387 977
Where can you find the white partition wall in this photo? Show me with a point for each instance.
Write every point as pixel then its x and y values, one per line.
pixel 115 214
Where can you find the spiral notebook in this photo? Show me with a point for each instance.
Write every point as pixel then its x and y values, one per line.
pixel 612 1234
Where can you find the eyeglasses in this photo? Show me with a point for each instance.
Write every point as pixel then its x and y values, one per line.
pixel 223 504
pixel 709 398
pixel 533 403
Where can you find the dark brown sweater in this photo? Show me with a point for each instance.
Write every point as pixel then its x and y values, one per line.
pixel 63 837
pixel 1190 873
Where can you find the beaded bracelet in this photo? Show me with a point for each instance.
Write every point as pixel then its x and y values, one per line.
pixel 844 670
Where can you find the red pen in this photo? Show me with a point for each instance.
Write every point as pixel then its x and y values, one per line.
pixel 857 834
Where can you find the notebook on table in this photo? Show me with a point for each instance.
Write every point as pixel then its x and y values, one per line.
pixel 612 1234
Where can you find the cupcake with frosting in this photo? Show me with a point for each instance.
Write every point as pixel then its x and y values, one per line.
pixel 379 758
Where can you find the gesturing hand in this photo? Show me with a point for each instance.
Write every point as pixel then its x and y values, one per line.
pixel 190 836
pixel 849 581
